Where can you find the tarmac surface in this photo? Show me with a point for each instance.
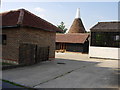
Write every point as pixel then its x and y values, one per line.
pixel 68 70
pixel 8 85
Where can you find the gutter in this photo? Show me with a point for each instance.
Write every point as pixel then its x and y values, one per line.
pixel 9 26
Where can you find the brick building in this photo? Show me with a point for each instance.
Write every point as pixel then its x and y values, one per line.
pixel 27 38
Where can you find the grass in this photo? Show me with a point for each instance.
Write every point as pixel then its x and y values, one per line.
pixel 17 84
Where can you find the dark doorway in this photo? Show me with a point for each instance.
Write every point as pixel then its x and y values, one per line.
pixel 42 54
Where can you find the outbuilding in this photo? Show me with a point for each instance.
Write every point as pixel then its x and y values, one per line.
pixel 105 40
pixel 26 38
pixel 76 40
pixel 72 42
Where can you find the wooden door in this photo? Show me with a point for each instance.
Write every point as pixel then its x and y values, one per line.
pixel 27 54
pixel 31 53
pixel 42 54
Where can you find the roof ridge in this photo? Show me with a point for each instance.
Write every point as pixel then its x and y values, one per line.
pixel 110 22
pixel 6 12
pixel 74 34
pixel 106 26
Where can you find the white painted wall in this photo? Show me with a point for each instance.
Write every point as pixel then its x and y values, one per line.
pixel 104 52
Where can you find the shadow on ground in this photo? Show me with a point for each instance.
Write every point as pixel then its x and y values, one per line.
pixel 64 73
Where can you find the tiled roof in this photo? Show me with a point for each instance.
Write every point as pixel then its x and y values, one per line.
pixel 72 38
pixel 106 26
pixel 77 26
pixel 22 17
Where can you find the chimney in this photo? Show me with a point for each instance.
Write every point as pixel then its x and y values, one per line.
pixel 21 15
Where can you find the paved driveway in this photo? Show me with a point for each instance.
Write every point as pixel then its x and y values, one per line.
pixel 69 70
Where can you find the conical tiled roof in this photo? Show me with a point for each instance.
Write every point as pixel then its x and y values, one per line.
pixel 77 25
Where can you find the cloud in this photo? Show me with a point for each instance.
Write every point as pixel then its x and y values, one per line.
pixel 40 12
pixel 38 9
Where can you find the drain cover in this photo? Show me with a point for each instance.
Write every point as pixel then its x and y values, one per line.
pixel 60 63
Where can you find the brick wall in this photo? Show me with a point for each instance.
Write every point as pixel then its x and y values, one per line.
pixel 10 51
pixel 15 36
pixel 39 37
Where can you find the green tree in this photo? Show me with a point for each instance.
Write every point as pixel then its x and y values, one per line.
pixel 62 26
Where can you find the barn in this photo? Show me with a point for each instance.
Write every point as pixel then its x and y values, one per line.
pixel 105 40
pixel 76 40
pixel 26 38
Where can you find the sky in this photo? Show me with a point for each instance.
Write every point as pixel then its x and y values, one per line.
pixel 90 12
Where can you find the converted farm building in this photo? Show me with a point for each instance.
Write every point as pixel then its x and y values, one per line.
pixel 105 40
pixel 76 40
pixel 26 38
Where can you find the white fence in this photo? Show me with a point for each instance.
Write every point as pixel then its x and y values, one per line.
pixel 104 52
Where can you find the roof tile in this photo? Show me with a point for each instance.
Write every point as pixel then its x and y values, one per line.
pixel 106 26
pixel 13 18
pixel 72 38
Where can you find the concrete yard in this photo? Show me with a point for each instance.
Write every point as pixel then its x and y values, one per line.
pixel 68 70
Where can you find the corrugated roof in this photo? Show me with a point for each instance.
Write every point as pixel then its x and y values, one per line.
pixel 106 26
pixel 22 17
pixel 72 38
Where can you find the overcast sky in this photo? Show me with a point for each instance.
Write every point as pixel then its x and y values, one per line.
pixel 55 12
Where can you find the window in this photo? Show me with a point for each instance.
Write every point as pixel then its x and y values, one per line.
pixel 3 39
pixel 117 37
pixel 105 39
